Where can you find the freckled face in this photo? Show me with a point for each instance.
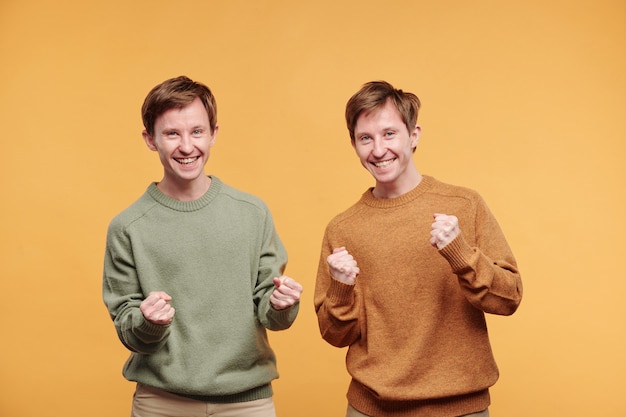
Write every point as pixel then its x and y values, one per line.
pixel 183 140
pixel 385 148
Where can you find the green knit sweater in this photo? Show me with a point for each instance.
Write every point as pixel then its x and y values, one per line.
pixel 216 257
pixel 414 320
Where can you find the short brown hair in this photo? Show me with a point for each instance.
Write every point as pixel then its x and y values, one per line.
pixel 176 93
pixel 374 95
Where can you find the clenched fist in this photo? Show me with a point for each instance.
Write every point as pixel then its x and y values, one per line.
pixel 156 308
pixel 343 266
pixel 286 293
pixel 444 229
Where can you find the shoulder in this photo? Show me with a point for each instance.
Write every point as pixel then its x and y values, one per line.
pixel 233 196
pixel 136 211
pixel 349 215
pixel 453 191
pixel 465 203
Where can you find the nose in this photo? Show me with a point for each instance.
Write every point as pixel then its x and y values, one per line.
pixel 378 148
pixel 186 145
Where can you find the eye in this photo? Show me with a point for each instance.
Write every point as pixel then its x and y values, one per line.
pixel 171 134
pixel 197 132
pixel 364 138
pixel 390 133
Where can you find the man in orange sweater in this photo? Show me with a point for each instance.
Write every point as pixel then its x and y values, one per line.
pixel 407 274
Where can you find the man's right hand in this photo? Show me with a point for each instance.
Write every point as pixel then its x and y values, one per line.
pixel 343 266
pixel 156 308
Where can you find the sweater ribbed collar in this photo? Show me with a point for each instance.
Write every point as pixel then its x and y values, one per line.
pixel 164 200
pixel 425 184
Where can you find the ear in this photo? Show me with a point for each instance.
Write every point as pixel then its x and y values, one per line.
pixel 149 140
pixel 415 136
pixel 214 135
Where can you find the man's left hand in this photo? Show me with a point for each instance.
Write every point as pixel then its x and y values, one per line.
pixel 286 292
pixel 444 229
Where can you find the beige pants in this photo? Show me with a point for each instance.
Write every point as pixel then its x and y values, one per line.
pixel 153 402
pixel 354 413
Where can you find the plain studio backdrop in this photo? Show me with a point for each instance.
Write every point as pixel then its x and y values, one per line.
pixel 522 100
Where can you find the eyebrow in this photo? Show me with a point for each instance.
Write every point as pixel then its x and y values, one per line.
pixel 384 129
pixel 175 129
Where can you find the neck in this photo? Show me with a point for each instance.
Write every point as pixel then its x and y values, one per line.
pixel 187 191
pixel 396 189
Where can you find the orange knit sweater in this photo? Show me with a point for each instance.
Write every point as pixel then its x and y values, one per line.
pixel 414 320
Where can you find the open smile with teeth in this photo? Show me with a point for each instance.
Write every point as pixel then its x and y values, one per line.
pixel 383 164
pixel 186 161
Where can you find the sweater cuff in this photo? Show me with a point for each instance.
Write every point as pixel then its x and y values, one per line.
pixel 458 253
pixel 339 293
pixel 281 319
pixel 285 313
pixel 151 331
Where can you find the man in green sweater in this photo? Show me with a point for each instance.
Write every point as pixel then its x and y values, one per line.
pixel 193 274
pixel 407 274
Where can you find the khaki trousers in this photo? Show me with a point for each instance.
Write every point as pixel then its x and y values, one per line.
pixel 354 413
pixel 154 402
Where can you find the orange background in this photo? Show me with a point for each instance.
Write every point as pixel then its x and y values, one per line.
pixel 522 100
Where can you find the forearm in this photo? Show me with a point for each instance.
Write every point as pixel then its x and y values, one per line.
pixel 122 296
pixel 280 319
pixel 491 285
pixel 138 334
pixel 337 311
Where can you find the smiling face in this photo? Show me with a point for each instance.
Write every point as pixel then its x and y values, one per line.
pixel 385 148
pixel 183 139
